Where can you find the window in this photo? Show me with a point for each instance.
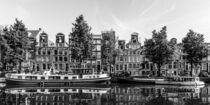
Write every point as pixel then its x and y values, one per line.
pixel 60 58
pixel 60 52
pixel 117 67
pixel 37 67
pixel 48 66
pixel 48 52
pixel 39 52
pixel 170 65
pixel 65 58
pixel 56 52
pixel 121 58
pixel 138 65
pixel 121 67
pixel 65 53
pixel 134 65
pixel 98 48
pixel 147 65
pixel 43 52
pixel 60 66
pixel 130 65
pixel 56 59
pixel 44 66
pixel 143 66
pixel 125 59
pixel 56 66
pixel 98 54
pixel 175 65
pixel 126 67
pixel 67 67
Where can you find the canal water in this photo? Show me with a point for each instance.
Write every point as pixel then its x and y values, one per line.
pixel 115 94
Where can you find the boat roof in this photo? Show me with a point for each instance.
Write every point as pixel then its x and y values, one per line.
pixel 181 77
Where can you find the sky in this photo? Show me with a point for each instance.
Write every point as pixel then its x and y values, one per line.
pixel 122 16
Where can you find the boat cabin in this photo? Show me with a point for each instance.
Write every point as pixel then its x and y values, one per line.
pixel 79 71
pixel 182 79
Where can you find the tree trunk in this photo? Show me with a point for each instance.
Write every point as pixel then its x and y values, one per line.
pixel 20 67
pixel 159 69
pixel 114 64
pixel 191 68
pixel 80 63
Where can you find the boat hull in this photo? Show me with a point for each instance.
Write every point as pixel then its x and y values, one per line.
pixel 205 79
pixel 200 83
pixel 136 80
pixel 10 81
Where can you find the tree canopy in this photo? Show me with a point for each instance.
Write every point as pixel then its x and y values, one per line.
pixel 81 40
pixel 14 44
pixel 195 48
pixel 158 49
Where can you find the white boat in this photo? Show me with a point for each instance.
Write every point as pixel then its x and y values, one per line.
pixel 82 75
pixel 180 80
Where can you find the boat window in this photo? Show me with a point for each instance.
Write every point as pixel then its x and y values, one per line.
pixel 74 77
pixel 42 90
pixel 28 77
pixel 31 90
pixel 89 76
pixel 42 78
pixel 54 90
pixel 65 77
pixel 97 76
pixel 57 77
pixel 33 77
pixel 73 89
pixel 54 77
pixel 19 77
pixel 65 89
pixel 93 76
pixel 50 77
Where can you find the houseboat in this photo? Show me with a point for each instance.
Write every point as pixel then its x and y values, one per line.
pixel 78 75
pixel 180 80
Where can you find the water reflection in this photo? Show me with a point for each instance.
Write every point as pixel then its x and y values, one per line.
pixel 106 95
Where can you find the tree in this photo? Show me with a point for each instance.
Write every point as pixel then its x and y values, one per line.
pixel 195 48
pixel 157 49
pixel 14 44
pixel 109 50
pixel 81 40
pixel 4 47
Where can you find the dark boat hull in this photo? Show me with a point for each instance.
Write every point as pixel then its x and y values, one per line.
pixel 56 82
pixel 205 79
pixel 130 80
